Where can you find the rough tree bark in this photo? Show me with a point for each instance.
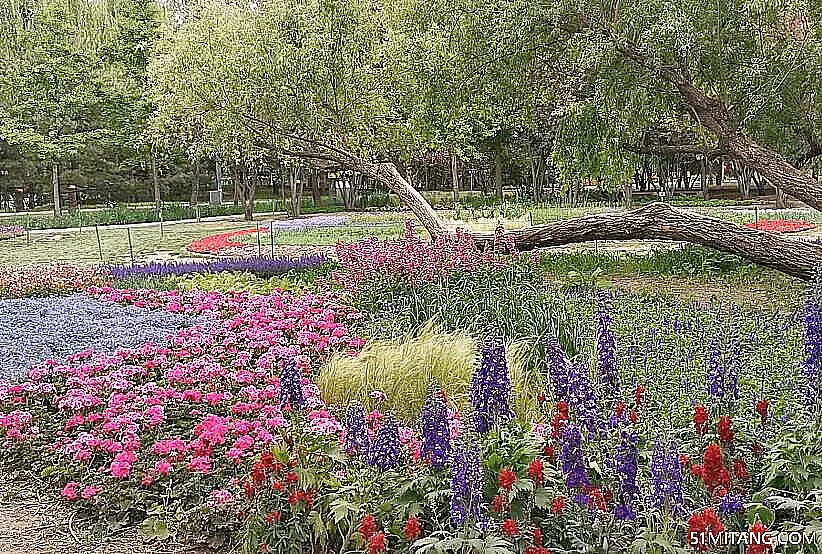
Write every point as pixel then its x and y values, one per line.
pixel 55 183
pixel 158 202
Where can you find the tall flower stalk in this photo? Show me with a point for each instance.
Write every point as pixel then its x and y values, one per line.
pixel 467 502
pixel 557 365
pixel 291 386
pixel 626 466
pixel 356 432
pixel 583 401
pixel 491 387
pixel 384 451
pixel 436 436
pixel 573 458
pixel 606 349
pixel 812 369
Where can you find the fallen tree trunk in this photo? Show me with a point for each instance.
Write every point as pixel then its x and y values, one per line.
pixel 660 221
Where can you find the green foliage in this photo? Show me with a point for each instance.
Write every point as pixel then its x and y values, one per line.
pixel 793 461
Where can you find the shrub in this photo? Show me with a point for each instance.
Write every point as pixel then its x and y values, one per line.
pixel 35 280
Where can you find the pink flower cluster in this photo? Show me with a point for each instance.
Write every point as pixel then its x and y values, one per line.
pixel 413 260
pixel 35 280
pixel 206 404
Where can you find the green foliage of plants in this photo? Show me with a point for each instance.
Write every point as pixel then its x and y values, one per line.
pixel 227 281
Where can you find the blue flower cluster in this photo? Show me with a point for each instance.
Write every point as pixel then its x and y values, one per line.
pixel 583 400
pixel 291 384
pixel 573 458
pixel 467 500
pixel 626 467
pixel 812 370
pixel 33 330
pixel 384 452
pixel 732 503
pixel 722 372
pixel 356 433
pixel 436 435
pixel 606 349
pixel 491 387
pixel 666 476
pixel 262 266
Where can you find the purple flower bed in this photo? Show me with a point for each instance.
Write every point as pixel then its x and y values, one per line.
pixel 264 267
pixel 33 330
pixel 303 223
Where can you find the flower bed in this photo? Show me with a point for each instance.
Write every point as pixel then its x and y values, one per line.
pixel 780 225
pixel 34 330
pixel 264 267
pixel 38 280
pixel 11 231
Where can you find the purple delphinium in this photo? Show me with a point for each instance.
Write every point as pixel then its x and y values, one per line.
pixel 606 349
pixel 732 503
pixel 732 365
pixel 467 500
pixel 557 365
pixel 384 452
pixel 262 266
pixel 356 432
pixel 583 400
pixel 812 369
pixel 573 459
pixel 666 476
pixel 491 387
pixel 291 384
pixel 715 373
pixel 436 435
pixel 626 467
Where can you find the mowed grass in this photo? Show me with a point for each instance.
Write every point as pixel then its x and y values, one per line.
pixel 82 248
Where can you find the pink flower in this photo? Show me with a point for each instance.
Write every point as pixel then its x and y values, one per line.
pixel 200 464
pixel 220 498
pixel 163 467
pixel 88 492
pixel 70 491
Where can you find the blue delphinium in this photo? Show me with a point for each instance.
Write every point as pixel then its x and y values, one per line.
pixel 626 467
pixel 715 372
pixel 732 503
pixel 557 365
pixel 384 451
pixel 583 400
pixel 732 365
pixel 291 384
pixel 812 369
pixel 666 476
pixel 467 500
pixel 491 387
pixel 436 435
pixel 606 349
pixel 573 458
pixel 356 432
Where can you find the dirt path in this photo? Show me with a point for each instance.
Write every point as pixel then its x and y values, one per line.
pixel 31 523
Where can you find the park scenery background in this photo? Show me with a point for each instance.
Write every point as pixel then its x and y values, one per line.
pixel 353 276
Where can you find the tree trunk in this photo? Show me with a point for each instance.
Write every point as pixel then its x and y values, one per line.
pixel 315 188
pixel 250 189
pixel 455 178
pixel 781 199
pixel 705 179
pixel 55 183
pixel 158 202
pixel 498 170
pixel 195 188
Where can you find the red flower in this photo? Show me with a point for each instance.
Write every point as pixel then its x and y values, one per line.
pixel 562 409
pixel 293 498
pixel 639 395
pixel 273 516
pixel 780 225
pixel 633 416
pixel 368 526
pixel 762 410
pixel 697 470
pixel 548 452
pixel 249 489
pixel 292 478
pixel 715 474
pixel 700 419
pixel 412 529
pixel 700 524
pixel 684 459
pixel 619 409
pixel 758 540
pixel 558 504
pixel 506 478
pixel 536 471
pixel 510 528
pixel 741 470
pixel 725 429
pixel 537 534
pixel 377 543
pixel 498 504
pixel 541 398
pixel 536 550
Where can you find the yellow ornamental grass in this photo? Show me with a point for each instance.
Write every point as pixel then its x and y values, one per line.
pixel 403 367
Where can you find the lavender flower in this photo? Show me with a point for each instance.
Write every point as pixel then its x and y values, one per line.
pixel 573 459
pixel 491 387
pixel 291 384
pixel 716 374
pixel 356 432
pixel 732 503
pixel 384 452
pixel 812 370
pixel 626 467
pixel 733 363
pixel 557 365
pixel 606 349
pixel 262 266
pixel 436 435
pixel 666 475
pixel 583 400
pixel 467 500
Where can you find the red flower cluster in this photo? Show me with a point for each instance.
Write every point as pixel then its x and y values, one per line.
pixel 762 410
pixel 506 478
pixel 374 539
pixel 222 243
pixel 510 528
pixel 558 504
pixel 537 547
pixel 700 419
pixel 536 471
pixel 741 470
pixel 780 225
pixel 639 395
pixel 412 529
pixel 699 525
pixel 560 417
pixel 714 473
pixel 759 542
pixel 725 429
